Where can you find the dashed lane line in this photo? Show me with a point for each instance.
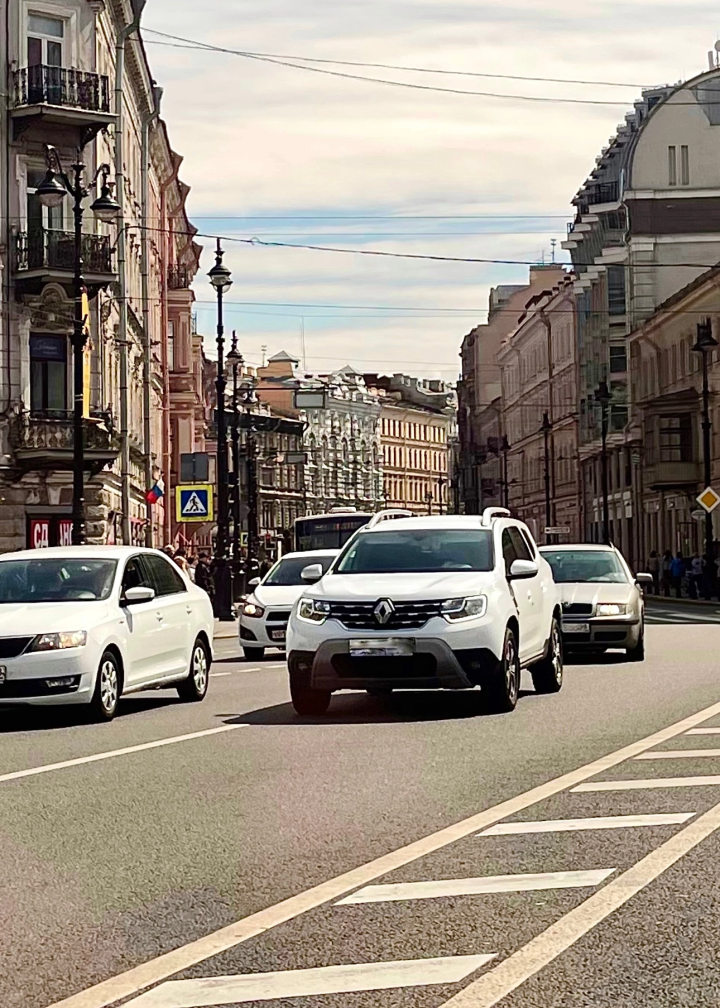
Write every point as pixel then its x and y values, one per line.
pixel 136 979
pixel 703 731
pixel 395 892
pixel 654 782
pixel 679 754
pixel 592 823
pixel 348 979
pixel 497 983
pixel 97 757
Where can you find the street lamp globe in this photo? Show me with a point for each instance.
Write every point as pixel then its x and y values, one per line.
pixel 51 192
pixel 220 276
pixel 234 357
pixel 106 208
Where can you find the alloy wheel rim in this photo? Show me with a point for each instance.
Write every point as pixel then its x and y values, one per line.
pixel 511 677
pixel 199 669
pixel 108 685
pixel 557 663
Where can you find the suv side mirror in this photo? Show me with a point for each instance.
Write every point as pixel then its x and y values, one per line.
pixel 521 569
pixel 312 573
pixel 644 579
pixel 133 596
pixel 254 583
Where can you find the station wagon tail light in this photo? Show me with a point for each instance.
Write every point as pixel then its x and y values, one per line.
pixel 610 609
pixel 464 608
pixel 58 641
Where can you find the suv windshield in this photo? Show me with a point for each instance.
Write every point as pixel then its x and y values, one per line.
pixel 418 551
pixel 585 565
pixel 287 572
pixel 56 580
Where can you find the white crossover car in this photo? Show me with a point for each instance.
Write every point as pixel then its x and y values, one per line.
pixel 602 600
pixel 264 615
pixel 446 602
pixel 89 624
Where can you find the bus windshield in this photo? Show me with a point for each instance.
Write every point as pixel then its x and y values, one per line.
pixel 330 531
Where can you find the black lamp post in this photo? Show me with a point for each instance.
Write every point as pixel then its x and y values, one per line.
pixel 221 280
pixel 51 192
pixel 505 448
pixel 704 345
pixel 546 428
pixel 235 360
pixel 249 401
pixel 603 397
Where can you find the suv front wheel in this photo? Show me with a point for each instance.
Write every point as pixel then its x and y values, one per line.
pixel 502 690
pixel 306 700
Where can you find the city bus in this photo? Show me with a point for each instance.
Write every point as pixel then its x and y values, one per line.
pixel 331 531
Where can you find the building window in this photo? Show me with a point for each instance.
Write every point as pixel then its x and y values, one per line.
pixel 45 40
pixel 672 166
pixel 171 346
pixel 38 216
pixel 676 438
pixel 684 166
pixel 616 290
pixel 618 359
pixel 48 374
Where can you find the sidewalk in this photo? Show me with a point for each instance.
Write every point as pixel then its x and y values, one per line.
pixel 223 630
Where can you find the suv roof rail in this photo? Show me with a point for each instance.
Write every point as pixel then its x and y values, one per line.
pixel 494 512
pixel 387 515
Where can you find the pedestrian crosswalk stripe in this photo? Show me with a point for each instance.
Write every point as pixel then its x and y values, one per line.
pixel 593 823
pixel 679 754
pixel 703 731
pixel 225 990
pixel 655 782
pixel 394 892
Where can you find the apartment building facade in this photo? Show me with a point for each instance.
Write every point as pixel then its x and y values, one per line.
pixel 80 82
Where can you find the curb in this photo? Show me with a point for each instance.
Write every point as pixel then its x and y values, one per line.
pixel 661 599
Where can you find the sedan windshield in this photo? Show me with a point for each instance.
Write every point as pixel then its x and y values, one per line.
pixel 287 572
pixel 56 580
pixel 418 551
pixel 585 565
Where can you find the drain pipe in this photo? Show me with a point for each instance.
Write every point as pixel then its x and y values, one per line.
pixel 123 36
pixel 147 122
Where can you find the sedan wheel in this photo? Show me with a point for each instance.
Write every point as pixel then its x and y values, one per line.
pixel 107 689
pixel 194 688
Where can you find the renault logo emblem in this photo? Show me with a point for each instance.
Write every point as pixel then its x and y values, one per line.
pixel 383 611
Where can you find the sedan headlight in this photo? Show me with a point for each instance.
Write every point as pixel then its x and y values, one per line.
pixel 253 609
pixel 58 641
pixel 610 609
pixel 463 608
pixel 313 611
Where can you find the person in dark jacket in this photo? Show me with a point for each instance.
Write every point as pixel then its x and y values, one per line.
pixel 203 574
pixel 677 571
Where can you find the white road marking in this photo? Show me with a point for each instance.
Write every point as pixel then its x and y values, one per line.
pixel 491 988
pixel 654 782
pixel 133 980
pixel 594 823
pixel 225 990
pixel 679 754
pixel 395 892
pixel 97 757
pixel 218 675
pixel 703 731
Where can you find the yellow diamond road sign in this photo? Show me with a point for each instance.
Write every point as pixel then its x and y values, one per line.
pixel 708 499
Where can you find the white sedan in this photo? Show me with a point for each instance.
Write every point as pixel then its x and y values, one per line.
pixel 89 624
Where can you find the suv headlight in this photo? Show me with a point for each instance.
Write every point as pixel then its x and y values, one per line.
pixel 313 611
pixel 463 608
pixel 610 609
pixel 57 641
pixel 253 609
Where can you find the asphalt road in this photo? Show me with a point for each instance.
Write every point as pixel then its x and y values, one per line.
pixel 111 865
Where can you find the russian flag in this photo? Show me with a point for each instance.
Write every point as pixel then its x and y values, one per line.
pixel 158 490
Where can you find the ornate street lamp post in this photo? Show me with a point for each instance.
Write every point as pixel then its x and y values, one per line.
pixel 235 360
pixel 51 192
pixel 704 345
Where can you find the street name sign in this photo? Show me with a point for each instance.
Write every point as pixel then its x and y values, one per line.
pixel 708 499
pixel 557 530
pixel 194 502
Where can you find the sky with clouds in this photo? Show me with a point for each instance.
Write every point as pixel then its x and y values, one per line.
pixel 287 155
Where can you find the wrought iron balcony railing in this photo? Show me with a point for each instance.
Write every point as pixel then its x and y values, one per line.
pixel 178 278
pixel 46 249
pixel 53 85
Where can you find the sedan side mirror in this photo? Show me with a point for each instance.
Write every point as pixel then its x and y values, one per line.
pixel 644 579
pixel 312 573
pixel 134 596
pixel 254 583
pixel 521 569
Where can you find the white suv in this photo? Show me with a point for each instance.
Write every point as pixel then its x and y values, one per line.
pixel 447 602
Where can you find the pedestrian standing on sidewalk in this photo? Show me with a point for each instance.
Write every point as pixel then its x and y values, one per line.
pixel 654 569
pixel 677 572
pixel 180 559
pixel 203 575
pixel 696 576
pixel 665 568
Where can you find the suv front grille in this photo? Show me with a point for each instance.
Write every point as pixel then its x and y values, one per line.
pixel 361 615
pixel 577 608
pixel 11 647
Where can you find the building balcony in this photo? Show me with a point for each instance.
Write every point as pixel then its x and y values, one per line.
pixel 45 256
pixel 178 278
pixel 62 96
pixel 671 475
pixel 45 441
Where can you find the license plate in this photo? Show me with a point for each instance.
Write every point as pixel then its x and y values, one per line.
pixel 3 673
pixel 576 627
pixel 382 647
pixel 277 635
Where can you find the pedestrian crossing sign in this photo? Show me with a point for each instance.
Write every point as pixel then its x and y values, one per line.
pixel 194 502
pixel 708 499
